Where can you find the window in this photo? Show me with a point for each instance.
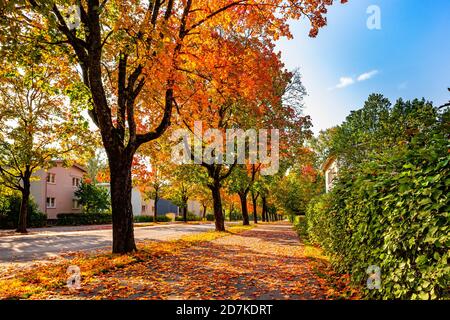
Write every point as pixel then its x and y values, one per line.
pixel 144 208
pixel 76 182
pixel 75 204
pixel 51 177
pixel 51 203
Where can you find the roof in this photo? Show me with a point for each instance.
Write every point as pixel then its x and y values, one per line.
pixel 328 163
pixel 76 165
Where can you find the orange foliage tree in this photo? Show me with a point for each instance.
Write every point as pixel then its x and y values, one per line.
pixel 134 58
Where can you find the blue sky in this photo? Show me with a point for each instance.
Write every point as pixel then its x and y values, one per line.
pixel 408 57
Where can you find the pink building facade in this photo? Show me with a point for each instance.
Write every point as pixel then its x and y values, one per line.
pixel 54 190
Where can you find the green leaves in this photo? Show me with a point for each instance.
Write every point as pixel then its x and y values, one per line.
pixel 93 198
pixel 397 219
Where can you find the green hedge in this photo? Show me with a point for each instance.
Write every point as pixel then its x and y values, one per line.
pixel 79 219
pixel 9 213
pixel 210 217
pixel 151 219
pixel 190 217
pixel 392 212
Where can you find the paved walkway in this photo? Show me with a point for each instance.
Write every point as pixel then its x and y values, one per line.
pixel 267 262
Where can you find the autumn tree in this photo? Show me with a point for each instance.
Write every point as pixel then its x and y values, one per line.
pixel 241 182
pixel 96 167
pixel 134 57
pixel 36 127
pixel 254 196
pixel 182 186
pixel 203 195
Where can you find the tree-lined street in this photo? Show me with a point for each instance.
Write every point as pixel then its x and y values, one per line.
pixel 187 149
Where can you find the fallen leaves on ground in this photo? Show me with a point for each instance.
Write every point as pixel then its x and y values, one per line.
pixel 267 262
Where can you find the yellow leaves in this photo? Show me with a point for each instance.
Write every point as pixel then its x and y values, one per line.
pixel 38 281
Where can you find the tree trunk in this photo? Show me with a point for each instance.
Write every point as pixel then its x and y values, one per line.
pixel 231 211
pixel 264 209
pixel 217 207
pixel 122 211
pixel 22 224
pixel 204 212
pixel 155 214
pixel 245 218
pixel 255 211
pixel 185 213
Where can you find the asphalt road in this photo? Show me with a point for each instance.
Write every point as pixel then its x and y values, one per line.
pixel 33 247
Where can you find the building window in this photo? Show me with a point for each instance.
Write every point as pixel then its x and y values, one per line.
pixel 76 204
pixel 51 177
pixel 76 182
pixel 144 208
pixel 51 203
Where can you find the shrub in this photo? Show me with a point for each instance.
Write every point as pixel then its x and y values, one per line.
pixel 210 217
pixel 392 212
pixel 9 213
pixel 151 219
pixel 78 219
pixel 235 216
pixel 93 198
pixel 190 217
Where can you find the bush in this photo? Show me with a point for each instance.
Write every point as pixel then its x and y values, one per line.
pixel 235 216
pixel 190 217
pixel 151 219
pixel 93 198
pixel 79 219
pixel 392 212
pixel 9 213
pixel 210 217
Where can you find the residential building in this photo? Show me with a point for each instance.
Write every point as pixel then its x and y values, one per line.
pixel 141 205
pixel 331 169
pixel 54 190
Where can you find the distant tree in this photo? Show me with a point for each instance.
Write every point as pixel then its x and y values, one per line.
pixel 203 196
pixel 379 126
pixel 93 198
pixel 240 182
pixel 95 167
pixel 182 186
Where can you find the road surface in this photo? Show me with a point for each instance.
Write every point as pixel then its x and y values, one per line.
pixel 34 247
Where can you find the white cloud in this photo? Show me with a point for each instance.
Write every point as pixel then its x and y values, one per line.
pixel 348 81
pixel 367 75
pixel 402 86
pixel 345 82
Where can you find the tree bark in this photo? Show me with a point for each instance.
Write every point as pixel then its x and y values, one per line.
pixel 245 218
pixel 155 215
pixel 185 213
pixel 264 209
pixel 23 214
pixel 217 207
pixel 122 211
pixel 204 212
pixel 255 211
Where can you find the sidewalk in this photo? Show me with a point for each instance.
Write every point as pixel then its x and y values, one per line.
pixel 267 262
